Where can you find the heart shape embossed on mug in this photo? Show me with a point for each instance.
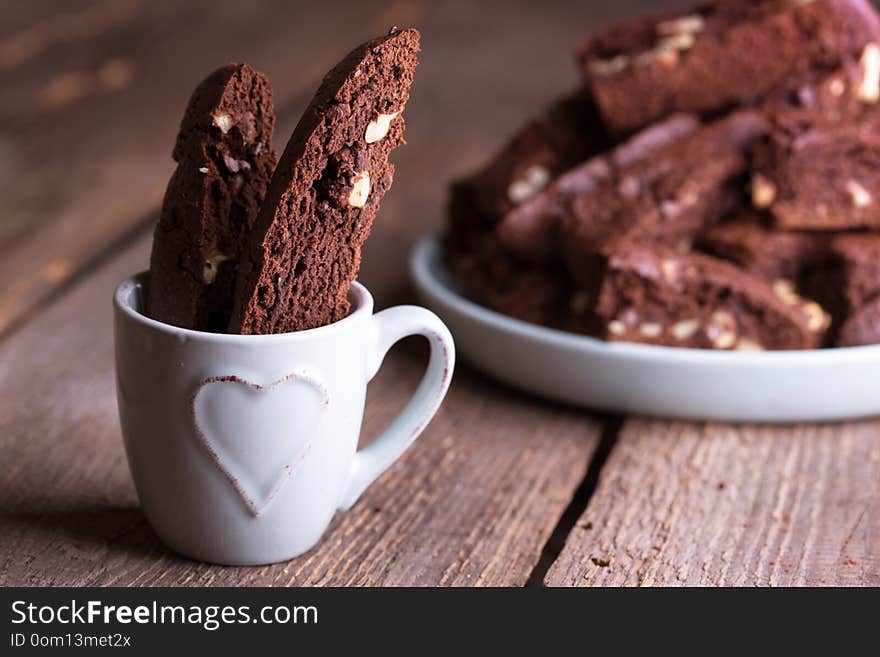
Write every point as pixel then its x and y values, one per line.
pixel 256 434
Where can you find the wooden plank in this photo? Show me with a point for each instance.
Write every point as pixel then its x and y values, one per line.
pixel 471 503
pixel 717 504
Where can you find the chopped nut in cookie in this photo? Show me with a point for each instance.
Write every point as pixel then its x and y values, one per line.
pixel 664 54
pixel 378 127
pixel 763 191
pixel 670 269
pixel 745 344
pixel 534 179
pixel 691 24
pixel 722 330
pixel 784 289
pixel 859 196
pixel 651 329
pixel 616 327
pixel 212 266
pixel 360 190
pixel 611 66
pixel 683 41
pixel 685 329
pixel 869 86
pixel 224 122
pixel 818 320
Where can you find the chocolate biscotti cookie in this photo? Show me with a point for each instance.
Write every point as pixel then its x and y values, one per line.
pixel 815 170
pixel 224 161
pixel 819 176
pixel 849 93
pixel 566 134
pixel 676 192
pixel 643 293
pixel 745 240
pixel 306 247
pixel 530 230
pixel 719 55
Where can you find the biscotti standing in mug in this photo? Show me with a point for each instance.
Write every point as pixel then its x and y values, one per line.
pixel 224 161
pixel 306 247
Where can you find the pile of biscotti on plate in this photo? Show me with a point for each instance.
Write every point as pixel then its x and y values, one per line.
pixel 713 183
pixel 249 243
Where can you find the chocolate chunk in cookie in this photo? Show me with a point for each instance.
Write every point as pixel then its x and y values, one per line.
pixel 224 161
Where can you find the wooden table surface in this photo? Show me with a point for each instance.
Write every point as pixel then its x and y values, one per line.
pixel 502 489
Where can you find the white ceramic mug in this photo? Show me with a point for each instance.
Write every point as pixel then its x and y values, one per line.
pixel 242 447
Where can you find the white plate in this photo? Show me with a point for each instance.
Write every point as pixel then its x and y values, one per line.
pixel 822 384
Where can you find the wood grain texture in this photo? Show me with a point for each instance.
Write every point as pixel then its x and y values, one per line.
pixel 687 504
pixel 471 503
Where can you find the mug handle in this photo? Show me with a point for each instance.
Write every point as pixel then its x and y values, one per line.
pixel 388 327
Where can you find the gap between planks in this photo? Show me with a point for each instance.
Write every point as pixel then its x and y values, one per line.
pixel 717 504
pixel 580 500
